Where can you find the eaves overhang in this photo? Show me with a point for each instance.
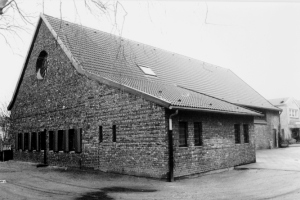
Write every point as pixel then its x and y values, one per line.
pixel 213 111
pixel 11 103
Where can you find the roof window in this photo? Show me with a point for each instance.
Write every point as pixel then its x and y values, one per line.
pixel 147 70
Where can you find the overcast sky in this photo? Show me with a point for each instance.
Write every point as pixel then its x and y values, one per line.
pixel 259 41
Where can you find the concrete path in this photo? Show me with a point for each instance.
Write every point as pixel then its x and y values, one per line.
pixel 286 159
pixel 275 176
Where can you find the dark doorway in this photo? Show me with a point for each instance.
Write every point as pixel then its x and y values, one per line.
pixel 295 134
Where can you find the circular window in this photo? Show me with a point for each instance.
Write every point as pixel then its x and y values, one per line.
pixel 41 65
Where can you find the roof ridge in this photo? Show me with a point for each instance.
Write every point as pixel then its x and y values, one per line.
pixel 126 39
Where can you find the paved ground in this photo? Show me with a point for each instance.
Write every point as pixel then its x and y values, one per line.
pixel 276 175
pixel 287 159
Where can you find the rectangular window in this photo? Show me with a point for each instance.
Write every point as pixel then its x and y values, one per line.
pixel 51 140
pixel 100 134
pixel 72 141
pixel 237 133
pixel 42 140
pixel 147 70
pixel 78 139
pixel 183 134
pixel 114 132
pixel 293 113
pixel 33 141
pixel 60 140
pixel 198 133
pixel 20 141
pixel 246 133
pixel 26 141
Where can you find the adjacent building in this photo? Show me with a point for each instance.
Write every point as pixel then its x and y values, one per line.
pixel 289 118
pixel 90 99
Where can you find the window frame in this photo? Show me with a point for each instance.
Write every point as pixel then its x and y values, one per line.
pixel 51 140
pixel 182 125
pixel 33 141
pixel 100 134
pixel 246 133
pixel 41 65
pixel 26 141
pixel 72 139
pixel 114 133
pixel 198 134
pixel 237 133
pixel 147 71
pixel 42 140
pixel 60 140
pixel 20 141
pixel 293 113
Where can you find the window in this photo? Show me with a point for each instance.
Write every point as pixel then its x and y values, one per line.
pixel 237 134
pixel 147 70
pixel 33 141
pixel 26 141
pixel 293 113
pixel 51 140
pixel 41 65
pixel 182 134
pixel 114 132
pixel 20 141
pixel 246 133
pixel 78 140
pixel 42 140
pixel 60 140
pixel 100 134
pixel 198 133
pixel 72 141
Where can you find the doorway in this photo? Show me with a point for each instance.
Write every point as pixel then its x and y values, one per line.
pixel 295 134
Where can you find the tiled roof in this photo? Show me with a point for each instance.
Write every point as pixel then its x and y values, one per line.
pixel 278 101
pixel 184 82
pixel 98 51
pixel 175 96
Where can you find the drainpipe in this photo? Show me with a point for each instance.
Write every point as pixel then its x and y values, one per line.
pixel 279 131
pixel 171 153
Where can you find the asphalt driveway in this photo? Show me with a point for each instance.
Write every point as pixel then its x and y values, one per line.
pixel 275 176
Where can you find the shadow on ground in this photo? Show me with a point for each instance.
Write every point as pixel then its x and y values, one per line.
pixel 102 194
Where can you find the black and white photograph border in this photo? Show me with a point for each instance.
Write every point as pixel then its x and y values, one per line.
pixel 130 99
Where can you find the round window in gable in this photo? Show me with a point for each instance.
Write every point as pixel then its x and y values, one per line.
pixel 41 65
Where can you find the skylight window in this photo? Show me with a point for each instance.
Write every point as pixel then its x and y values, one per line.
pixel 147 70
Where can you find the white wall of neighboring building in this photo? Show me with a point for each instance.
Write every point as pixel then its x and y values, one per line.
pixel 285 118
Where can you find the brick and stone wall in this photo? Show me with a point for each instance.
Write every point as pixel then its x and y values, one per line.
pixel 219 149
pixel 264 131
pixel 65 99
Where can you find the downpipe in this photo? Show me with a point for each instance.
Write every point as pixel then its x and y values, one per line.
pixel 171 151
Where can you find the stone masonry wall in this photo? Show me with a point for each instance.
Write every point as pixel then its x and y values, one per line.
pixel 264 136
pixel 219 150
pixel 65 99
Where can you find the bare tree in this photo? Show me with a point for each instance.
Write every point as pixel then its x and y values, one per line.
pixel 13 19
pixel 5 121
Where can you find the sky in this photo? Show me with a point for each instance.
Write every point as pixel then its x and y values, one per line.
pixel 258 41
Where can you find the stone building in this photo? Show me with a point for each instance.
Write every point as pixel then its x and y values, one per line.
pixel 90 99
